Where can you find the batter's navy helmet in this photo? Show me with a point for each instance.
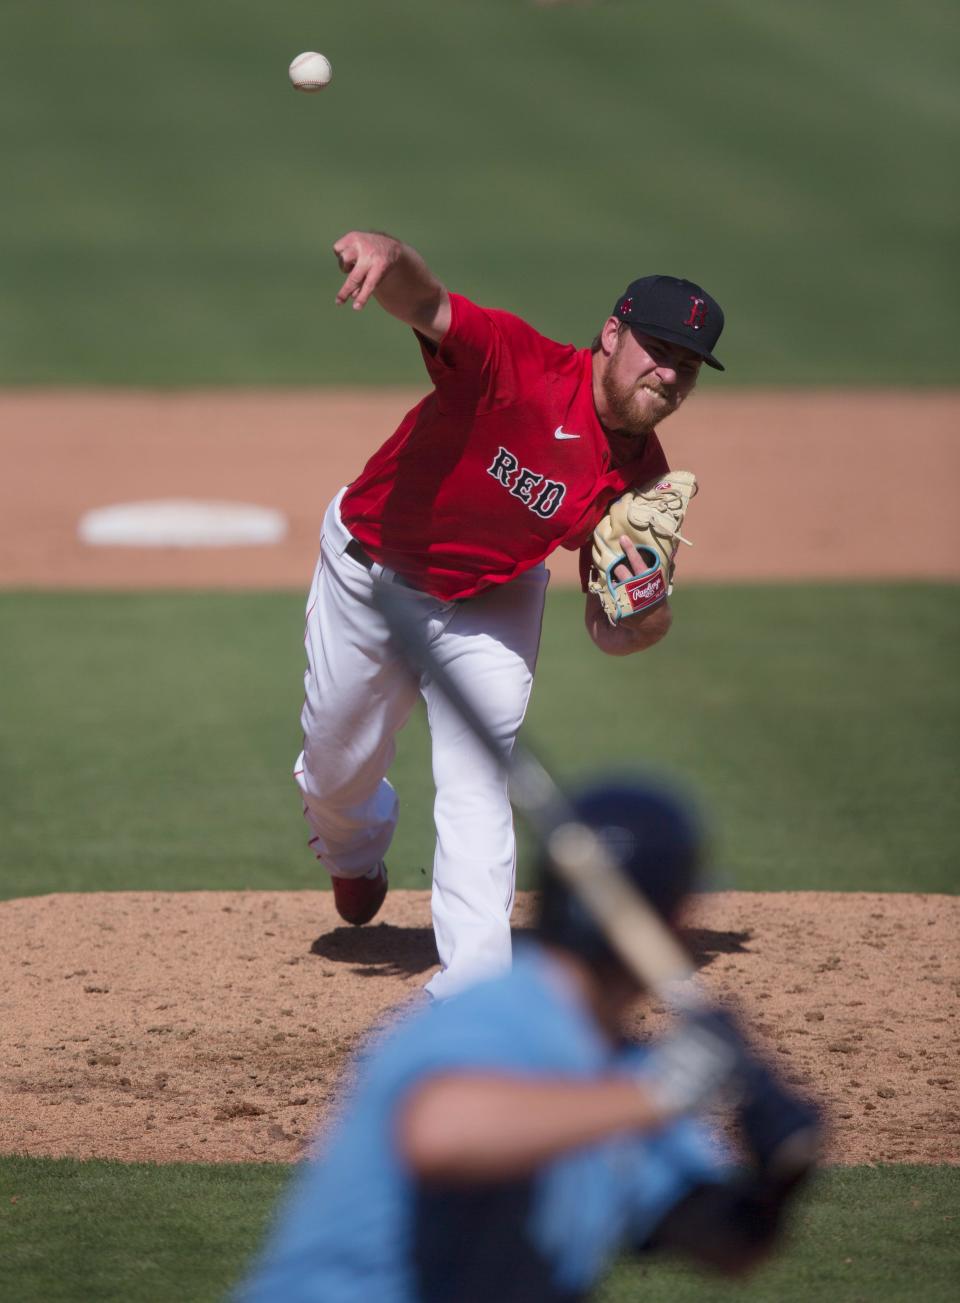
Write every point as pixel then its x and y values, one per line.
pixel 653 834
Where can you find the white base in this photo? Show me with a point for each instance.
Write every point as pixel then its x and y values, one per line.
pixel 182 522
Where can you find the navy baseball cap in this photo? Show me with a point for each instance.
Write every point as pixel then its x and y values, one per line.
pixel 674 310
pixel 656 837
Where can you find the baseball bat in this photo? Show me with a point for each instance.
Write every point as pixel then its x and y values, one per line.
pixel 585 863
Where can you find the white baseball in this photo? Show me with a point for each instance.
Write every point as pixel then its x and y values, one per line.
pixel 310 71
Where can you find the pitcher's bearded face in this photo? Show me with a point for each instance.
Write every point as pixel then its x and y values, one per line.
pixel 644 381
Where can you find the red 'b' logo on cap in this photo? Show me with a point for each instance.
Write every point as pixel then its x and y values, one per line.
pixel 698 313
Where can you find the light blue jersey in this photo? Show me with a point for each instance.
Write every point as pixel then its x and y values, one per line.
pixel 358 1227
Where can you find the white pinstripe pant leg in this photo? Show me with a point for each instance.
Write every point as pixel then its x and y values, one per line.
pixel 356 698
pixel 490 649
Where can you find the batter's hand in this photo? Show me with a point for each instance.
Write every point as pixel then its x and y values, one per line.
pixel 685 1070
pixel 367 256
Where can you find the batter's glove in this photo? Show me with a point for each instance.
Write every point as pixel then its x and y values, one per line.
pixel 704 1057
pixel 651 518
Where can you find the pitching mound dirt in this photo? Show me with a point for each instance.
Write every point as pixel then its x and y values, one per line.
pixel 216 1026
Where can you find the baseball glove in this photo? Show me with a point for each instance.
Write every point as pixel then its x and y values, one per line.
pixel 651 517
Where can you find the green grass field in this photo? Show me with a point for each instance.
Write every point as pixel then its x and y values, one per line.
pixel 169 201
pixel 149 738
pixel 123 1233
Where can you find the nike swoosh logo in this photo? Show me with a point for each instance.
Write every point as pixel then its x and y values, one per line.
pixel 560 433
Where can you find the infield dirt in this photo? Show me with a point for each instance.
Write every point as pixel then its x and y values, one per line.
pixel 804 485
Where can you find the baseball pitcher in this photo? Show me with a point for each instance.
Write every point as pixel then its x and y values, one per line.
pixel 523 445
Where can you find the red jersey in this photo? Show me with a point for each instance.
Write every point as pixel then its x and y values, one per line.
pixel 503 462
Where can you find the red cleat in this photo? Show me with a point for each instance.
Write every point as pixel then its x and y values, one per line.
pixel 358 899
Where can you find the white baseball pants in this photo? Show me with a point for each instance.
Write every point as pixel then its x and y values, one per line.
pixel 357 698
